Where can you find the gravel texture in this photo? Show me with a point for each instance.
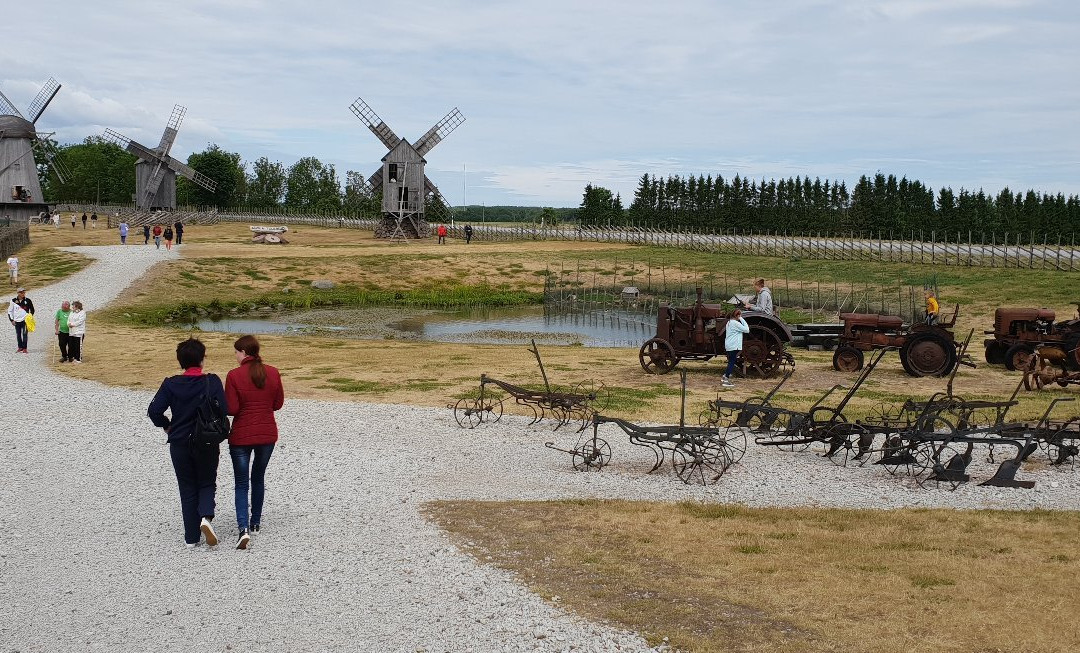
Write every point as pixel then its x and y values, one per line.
pixel 92 557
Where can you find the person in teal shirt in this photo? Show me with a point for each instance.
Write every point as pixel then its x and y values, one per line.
pixel 60 325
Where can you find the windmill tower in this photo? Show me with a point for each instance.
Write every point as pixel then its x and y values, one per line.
pixel 407 192
pixel 155 171
pixel 20 188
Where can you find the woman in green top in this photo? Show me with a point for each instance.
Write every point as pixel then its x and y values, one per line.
pixel 61 327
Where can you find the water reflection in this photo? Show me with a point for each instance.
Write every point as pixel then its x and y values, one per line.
pixel 590 328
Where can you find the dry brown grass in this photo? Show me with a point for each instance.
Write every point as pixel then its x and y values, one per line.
pixel 730 578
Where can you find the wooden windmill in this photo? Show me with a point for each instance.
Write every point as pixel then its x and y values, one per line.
pixel 408 195
pixel 20 188
pixel 155 171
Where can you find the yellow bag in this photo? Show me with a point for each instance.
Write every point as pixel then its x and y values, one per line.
pixel 30 323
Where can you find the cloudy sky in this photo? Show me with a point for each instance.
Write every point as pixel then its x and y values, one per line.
pixel 964 93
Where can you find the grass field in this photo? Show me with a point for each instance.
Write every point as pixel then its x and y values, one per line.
pixel 719 578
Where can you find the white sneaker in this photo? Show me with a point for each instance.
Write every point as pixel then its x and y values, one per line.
pixel 726 382
pixel 208 532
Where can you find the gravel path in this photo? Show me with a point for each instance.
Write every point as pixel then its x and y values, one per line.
pixel 92 557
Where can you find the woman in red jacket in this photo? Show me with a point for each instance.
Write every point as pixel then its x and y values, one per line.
pixel 253 392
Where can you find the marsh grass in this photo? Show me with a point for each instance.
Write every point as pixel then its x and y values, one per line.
pixel 713 577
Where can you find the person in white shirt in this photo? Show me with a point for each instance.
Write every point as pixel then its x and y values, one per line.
pixel 76 331
pixel 763 301
pixel 13 269
pixel 734 330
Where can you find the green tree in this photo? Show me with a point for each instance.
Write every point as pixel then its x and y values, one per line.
pixel 312 185
pixel 98 171
pixel 221 166
pixel 266 184
pixel 358 196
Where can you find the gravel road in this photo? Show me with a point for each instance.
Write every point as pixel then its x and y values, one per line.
pixel 92 557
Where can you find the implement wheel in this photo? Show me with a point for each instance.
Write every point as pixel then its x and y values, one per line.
pixel 928 354
pixel 847 359
pixel 657 356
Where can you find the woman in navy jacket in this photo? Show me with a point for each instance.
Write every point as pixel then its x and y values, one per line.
pixel 196 467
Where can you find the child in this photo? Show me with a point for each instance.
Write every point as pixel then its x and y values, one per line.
pixel 931 307
pixel 733 340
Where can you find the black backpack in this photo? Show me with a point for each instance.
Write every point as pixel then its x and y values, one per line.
pixel 211 421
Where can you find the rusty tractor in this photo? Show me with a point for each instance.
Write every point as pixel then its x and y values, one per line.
pixel 697 333
pixel 925 350
pixel 1018 332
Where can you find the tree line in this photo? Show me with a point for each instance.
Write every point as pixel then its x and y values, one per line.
pixel 103 173
pixel 880 205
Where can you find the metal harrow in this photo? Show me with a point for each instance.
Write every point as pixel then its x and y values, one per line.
pixel 576 406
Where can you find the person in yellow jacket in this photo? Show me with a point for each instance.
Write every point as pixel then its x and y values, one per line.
pixel 932 307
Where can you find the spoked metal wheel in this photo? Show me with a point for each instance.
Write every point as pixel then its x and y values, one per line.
pixel 840 439
pixel 657 356
pixel 467 414
pixel 897 450
pixel 590 454
pixel 491 409
pixel 734 440
pixel 708 417
pixel 598 395
pixel 1063 452
pixel 700 460
pixel 762 353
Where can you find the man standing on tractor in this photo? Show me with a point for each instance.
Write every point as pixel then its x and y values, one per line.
pixel 932 307
pixel 763 301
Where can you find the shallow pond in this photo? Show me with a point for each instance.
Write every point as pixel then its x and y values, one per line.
pixel 597 328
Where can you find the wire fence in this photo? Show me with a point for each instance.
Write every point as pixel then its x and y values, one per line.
pixel 636 290
pixel 994 250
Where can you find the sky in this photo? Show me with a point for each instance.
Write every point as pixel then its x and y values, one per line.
pixel 557 94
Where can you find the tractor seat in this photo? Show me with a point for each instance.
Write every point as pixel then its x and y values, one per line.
pixel 873 320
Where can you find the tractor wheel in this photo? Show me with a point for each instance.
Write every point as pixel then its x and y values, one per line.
pixel 1017 356
pixel 995 352
pixel 1072 352
pixel 928 354
pixel 847 359
pixel 657 356
pixel 762 352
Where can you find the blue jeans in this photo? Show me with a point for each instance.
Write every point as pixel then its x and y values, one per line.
pixel 731 357
pixel 247 472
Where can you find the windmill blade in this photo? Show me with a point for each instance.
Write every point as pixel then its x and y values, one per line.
pixel 191 174
pixel 439 131
pixel 44 97
pixel 440 210
pixel 375 180
pixel 173 126
pixel 52 155
pixel 381 130
pixel 138 149
pixel 153 184
pixel 7 108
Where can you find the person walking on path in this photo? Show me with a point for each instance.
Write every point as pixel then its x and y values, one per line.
pixel 253 392
pixel 76 331
pixel 60 327
pixel 18 310
pixel 733 336
pixel 146 234
pixel 442 234
pixel 168 237
pixel 13 269
pixel 468 234
pixel 72 220
pixel 763 302
pixel 123 232
pixel 195 466
pixel 179 227
pixel 84 220
pixel 93 220
pixel 157 236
